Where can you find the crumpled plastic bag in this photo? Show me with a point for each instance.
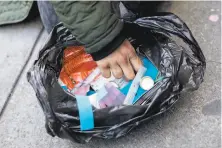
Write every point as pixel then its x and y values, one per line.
pixel 165 40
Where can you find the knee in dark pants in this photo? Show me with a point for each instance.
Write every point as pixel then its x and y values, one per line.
pixel 48 15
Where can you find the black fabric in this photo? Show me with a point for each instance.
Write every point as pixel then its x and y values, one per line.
pixel 50 19
pixel 142 8
pixel 109 48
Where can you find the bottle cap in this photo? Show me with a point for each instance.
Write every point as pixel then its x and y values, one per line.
pixel 146 83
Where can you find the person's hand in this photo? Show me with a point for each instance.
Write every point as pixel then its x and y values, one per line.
pixel 123 61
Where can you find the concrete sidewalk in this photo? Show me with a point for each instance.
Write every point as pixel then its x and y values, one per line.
pixel 194 122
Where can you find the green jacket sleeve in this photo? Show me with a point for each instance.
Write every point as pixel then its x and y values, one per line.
pixel 92 23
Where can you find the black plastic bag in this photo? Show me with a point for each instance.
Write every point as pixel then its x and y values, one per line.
pixel 164 39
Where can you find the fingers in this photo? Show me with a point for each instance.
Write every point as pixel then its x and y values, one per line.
pixel 127 70
pixel 123 61
pixel 104 68
pixel 132 56
pixel 136 62
pixel 117 71
pixel 105 72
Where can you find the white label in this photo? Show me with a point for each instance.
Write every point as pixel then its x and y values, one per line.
pixel 134 86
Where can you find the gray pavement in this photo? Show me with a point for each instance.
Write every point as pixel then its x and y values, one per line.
pixel 16 44
pixel 194 121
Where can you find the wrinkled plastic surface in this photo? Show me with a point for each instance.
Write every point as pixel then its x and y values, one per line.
pixel 77 65
pixel 164 39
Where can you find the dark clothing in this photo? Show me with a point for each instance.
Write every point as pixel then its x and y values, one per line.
pixel 48 15
pixel 97 25
pixel 93 23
